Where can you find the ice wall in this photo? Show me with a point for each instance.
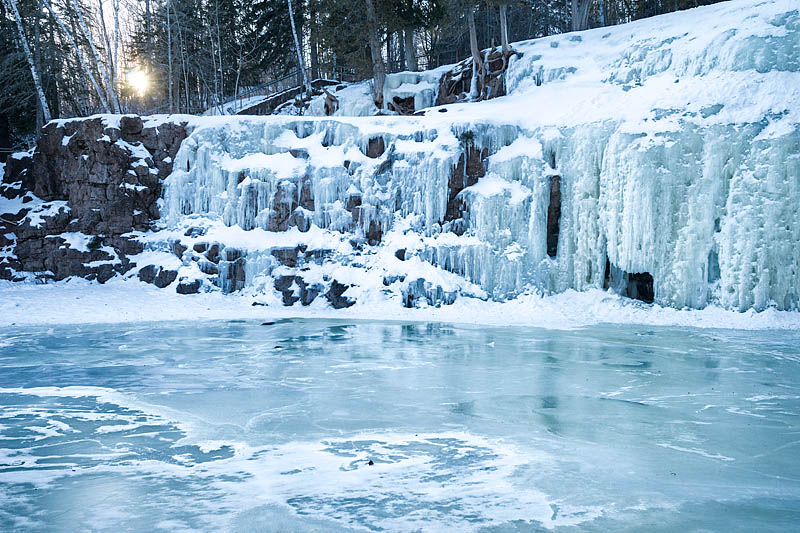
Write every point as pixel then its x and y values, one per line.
pixel 676 142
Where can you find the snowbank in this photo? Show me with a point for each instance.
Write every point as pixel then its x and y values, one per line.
pixel 118 301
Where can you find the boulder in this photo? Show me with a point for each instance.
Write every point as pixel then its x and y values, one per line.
pixel 178 248
pixel 148 273
pixel 188 286
pixel 164 277
pixel 335 297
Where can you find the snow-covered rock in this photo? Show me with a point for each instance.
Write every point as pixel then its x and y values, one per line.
pixel 68 206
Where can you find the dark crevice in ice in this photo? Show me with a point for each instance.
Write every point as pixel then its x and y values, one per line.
pixel 553 216
pixel 713 266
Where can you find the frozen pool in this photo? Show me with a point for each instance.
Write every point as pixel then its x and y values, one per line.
pixel 240 426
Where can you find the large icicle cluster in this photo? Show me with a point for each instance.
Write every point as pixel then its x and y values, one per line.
pixel 675 150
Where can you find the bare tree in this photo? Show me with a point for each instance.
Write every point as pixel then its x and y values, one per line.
pixel 410 49
pixel 219 54
pixel 504 26
pixel 169 59
pixel 184 68
pixel 82 60
pixel 12 6
pixel 111 89
pixel 477 62
pixel 115 63
pixel 300 61
pixel 37 59
pixel 109 53
pixel 378 68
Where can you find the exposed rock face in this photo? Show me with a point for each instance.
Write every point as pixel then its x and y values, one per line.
pixel 331 103
pixel 335 296
pixel 455 84
pixel 87 185
pixel 158 276
pixel 292 204
pixel 376 147
pixel 188 286
pixel 470 168
pixel 404 106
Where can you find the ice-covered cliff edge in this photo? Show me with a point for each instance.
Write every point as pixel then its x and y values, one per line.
pixel 675 143
pixel 659 159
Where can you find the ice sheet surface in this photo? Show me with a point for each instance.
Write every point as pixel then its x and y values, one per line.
pixel 238 426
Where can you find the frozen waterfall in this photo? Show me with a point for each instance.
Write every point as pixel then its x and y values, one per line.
pixel 675 147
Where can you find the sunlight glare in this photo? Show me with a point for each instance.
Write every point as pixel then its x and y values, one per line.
pixel 138 80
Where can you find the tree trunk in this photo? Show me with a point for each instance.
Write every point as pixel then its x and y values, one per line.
pixel 217 99
pixel 37 60
pixel 147 26
pixel 477 62
pixel 219 53
pixel 314 43
pixel 12 6
pixel 411 50
pixel 390 61
pixel 575 17
pixel 98 60
pixel 169 60
pixel 58 78
pixel 378 68
pixel 300 61
pixel 236 102
pixel 104 31
pixel 586 5
pixel 115 62
pixel 580 14
pixel 109 56
pixel 504 27
pixel 184 69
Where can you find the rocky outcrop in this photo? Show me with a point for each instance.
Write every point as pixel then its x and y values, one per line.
pixel 455 84
pixel 85 188
pixel 471 167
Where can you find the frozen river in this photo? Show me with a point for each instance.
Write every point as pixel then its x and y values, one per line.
pixel 315 425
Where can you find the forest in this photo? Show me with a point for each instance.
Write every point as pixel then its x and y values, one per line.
pixel 68 58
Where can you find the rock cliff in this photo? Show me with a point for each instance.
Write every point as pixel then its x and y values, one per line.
pixel 88 185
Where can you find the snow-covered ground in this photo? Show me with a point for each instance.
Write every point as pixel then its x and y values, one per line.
pixel 128 300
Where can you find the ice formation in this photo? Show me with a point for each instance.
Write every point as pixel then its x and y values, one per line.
pixel 675 140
